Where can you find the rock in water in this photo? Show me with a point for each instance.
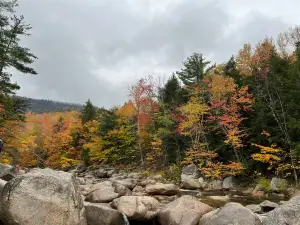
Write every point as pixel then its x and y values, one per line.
pixel 103 192
pixel 99 214
pixel 162 189
pixel 186 210
pixel 140 208
pixel 229 183
pixel 43 197
pixel 189 177
pixel 215 185
pixel 278 184
pixel 232 214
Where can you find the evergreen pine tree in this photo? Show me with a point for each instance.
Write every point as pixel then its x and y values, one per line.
pixel 88 113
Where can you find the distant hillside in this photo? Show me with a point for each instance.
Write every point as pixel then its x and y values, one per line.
pixel 44 106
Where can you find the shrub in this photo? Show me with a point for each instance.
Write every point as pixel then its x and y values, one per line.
pixel 173 173
pixel 265 183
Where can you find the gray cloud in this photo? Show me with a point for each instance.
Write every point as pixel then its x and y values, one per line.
pixel 97 48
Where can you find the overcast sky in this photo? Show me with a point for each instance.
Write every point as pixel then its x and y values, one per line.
pixel 97 48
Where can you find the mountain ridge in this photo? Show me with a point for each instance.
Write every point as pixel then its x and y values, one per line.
pixel 45 106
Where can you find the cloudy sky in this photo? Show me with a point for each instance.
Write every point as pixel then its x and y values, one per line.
pixel 97 48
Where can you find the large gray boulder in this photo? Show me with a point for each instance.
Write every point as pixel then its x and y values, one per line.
pixel 233 214
pixel 102 214
pixel 121 190
pixel 80 168
pixel 189 177
pixel 162 189
pixel 142 208
pixel 43 196
pixel 267 206
pixel 229 183
pixel 129 182
pixel 186 210
pixel 139 191
pixel 216 185
pixel 254 208
pixel 286 214
pixel 7 172
pixel 192 171
pixel 103 192
pixel 278 184
pixel 207 216
pixel 101 173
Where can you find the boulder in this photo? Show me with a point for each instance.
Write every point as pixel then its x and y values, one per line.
pixel 138 191
pixel 43 196
pixel 189 177
pixel 7 172
pixel 192 171
pixel 165 199
pixel 141 208
pixel 288 213
pixel 207 216
pixel 186 210
pixel 134 176
pixel 267 206
pixel 80 168
pixel 254 208
pixel 216 185
pixel 194 193
pixel 2 185
pixel 158 178
pixel 233 213
pixel 129 182
pixel 103 192
pixel 202 182
pixel 162 189
pixel 146 182
pixel 100 214
pixel 190 183
pixel 278 184
pixel 220 198
pixel 101 173
pixel 121 190
pixel 229 183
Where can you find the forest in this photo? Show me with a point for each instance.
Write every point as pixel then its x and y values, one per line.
pixel 240 117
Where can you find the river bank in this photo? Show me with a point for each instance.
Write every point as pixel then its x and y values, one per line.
pixel 107 196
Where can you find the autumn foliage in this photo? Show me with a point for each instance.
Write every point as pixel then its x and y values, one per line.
pixel 228 119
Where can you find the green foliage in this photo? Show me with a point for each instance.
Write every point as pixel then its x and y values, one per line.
pixel 172 94
pixel 85 156
pixel 265 183
pixel 88 113
pixel 173 173
pixel 194 70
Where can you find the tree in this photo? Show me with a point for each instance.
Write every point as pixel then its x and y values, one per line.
pixel 142 98
pixel 12 54
pixel 172 94
pixel 227 104
pixel 194 70
pixel 244 61
pixel 88 113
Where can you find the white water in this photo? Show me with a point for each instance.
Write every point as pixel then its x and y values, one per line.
pixel 126 222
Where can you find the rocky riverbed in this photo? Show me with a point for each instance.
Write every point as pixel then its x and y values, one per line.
pixel 108 196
